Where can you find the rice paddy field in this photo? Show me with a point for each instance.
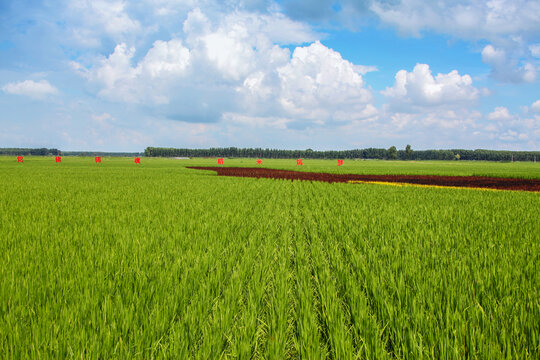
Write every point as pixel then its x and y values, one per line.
pixel 157 261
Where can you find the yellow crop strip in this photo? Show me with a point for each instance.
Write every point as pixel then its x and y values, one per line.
pixel 422 185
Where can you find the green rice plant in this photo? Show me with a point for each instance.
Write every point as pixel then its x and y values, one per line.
pixel 154 260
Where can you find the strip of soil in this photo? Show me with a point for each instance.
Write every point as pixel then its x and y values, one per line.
pixel 455 181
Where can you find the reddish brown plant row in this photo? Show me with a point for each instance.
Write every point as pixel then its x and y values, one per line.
pixel 434 180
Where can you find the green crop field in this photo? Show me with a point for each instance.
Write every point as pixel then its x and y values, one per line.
pixel 153 260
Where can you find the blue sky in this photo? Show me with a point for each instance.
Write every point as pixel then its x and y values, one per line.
pixel 123 75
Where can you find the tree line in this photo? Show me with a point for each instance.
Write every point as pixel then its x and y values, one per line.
pixel 391 153
pixel 101 153
pixel 29 151
pixel 56 152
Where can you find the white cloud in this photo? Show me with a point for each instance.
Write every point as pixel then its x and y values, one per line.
pixel 445 119
pixel 514 129
pixel 244 42
pixel 420 88
pixel 148 81
pixel 196 22
pixel 506 69
pixel 319 84
pixel 30 88
pixel 509 24
pixel 166 58
pixel 95 16
pixel 535 50
pixel 237 67
pixel 536 106
pixel 500 113
pixel 231 52
pixel 475 20
pixel 431 104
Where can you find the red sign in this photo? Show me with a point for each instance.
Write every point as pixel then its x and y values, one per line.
pixel 339 162
pixel 299 162
pixel 259 161
pixel 19 159
pixel 220 161
pixel 58 159
pixel 97 159
pixel 137 160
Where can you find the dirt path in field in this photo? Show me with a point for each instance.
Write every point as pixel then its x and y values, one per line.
pixel 425 180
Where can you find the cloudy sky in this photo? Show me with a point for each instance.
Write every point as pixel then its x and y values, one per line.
pixel 123 75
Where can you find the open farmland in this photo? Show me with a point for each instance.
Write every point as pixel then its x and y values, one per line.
pixel 155 260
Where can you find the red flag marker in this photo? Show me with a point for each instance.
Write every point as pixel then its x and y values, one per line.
pixel 220 161
pixel 58 159
pixel 97 159
pixel 339 162
pixel 259 161
pixel 19 159
pixel 299 162
pixel 137 160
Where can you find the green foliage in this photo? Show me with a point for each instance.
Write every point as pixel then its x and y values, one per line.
pixel 408 152
pixel 29 151
pixel 370 153
pixel 118 260
pixel 392 153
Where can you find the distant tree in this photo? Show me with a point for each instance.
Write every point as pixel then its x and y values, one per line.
pixel 369 153
pixel 392 153
pixel 408 151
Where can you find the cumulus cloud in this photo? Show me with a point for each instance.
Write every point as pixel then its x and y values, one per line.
pixel 420 88
pixel 467 19
pixel 147 81
pixel 419 100
pixel 509 24
pixel 536 106
pixel 445 119
pixel 319 84
pixel 100 16
pixel 514 129
pixel 500 113
pixel 506 69
pixel 30 88
pixel 90 25
pixel 535 50
pixel 237 67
